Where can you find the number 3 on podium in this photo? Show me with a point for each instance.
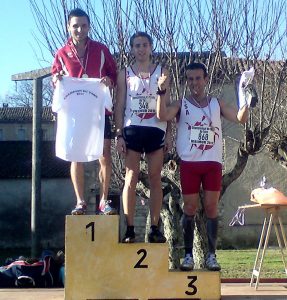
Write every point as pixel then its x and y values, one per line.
pixel 192 279
pixel 141 265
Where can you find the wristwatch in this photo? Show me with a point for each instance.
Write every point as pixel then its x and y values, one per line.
pixel 160 92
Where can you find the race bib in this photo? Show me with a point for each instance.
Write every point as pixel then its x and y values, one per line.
pixel 203 135
pixel 143 104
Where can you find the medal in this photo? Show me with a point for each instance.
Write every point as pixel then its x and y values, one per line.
pixel 146 87
pixel 85 75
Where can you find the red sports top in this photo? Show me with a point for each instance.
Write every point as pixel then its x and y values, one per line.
pixel 98 61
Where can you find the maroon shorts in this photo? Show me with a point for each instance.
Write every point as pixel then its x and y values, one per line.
pixel 193 174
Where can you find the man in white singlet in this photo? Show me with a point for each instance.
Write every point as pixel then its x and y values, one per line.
pixel 199 146
pixel 138 131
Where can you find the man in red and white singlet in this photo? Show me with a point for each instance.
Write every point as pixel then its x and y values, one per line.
pixel 138 131
pixel 84 58
pixel 199 146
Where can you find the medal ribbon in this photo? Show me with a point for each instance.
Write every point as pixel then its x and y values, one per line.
pixel 147 88
pixel 204 112
pixel 74 50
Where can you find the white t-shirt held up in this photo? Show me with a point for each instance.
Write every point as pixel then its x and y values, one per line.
pixel 80 105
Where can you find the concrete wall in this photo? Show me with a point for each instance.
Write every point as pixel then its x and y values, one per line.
pixel 15 195
pixel 238 193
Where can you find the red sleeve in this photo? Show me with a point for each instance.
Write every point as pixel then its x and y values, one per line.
pixel 110 66
pixel 57 66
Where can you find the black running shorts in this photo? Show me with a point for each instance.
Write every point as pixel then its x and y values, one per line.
pixel 143 139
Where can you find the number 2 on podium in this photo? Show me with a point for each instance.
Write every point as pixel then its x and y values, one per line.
pixel 140 265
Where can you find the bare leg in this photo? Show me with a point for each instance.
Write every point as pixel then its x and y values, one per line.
pixel 129 195
pixel 190 204
pixel 105 170
pixel 211 199
pixel 155 162
pixel 77 176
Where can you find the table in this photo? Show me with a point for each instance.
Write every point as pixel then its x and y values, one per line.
pixel 272 217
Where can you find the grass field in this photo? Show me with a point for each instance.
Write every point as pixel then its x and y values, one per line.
pixel 234 263
pixel 239 263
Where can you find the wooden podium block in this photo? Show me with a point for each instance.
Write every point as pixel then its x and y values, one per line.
pixel 99 267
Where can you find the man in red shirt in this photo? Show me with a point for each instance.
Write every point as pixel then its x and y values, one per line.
pixel 82 57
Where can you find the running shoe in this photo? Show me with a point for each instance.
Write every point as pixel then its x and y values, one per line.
pixel 211 263
pixel 106 209
pixel 129 237
pixel 188 263
pixel 155 236
pixel 80 209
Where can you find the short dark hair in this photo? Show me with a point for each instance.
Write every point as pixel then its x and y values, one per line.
pixel 140 34
pixel 77 12
pixel 196 66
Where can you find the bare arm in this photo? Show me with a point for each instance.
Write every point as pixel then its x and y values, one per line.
pixel 119 110
pixel 164 110
pixel 232 114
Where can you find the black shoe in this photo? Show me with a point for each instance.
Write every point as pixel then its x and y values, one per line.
pixel 155 236
pixel 129 237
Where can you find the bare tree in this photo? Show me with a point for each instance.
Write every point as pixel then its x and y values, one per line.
pixel 228 36
pixel 23 94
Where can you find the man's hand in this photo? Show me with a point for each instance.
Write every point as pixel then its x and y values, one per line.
pixel 162 82
pixel 58 76
pixel 107 81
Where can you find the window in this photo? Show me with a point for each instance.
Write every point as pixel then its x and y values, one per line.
pixel 45 135
pixel 21 134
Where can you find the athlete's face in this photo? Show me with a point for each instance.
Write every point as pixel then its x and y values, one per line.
pixel 141 49
pixel 196 81
pixel 79 28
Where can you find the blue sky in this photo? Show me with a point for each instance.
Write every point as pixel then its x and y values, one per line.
pixel 18 49
pixel 17 42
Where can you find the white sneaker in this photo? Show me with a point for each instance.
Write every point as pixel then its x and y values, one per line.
pixel 211 263
pixel 187 264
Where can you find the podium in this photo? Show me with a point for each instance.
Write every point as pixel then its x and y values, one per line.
pixel 98 266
